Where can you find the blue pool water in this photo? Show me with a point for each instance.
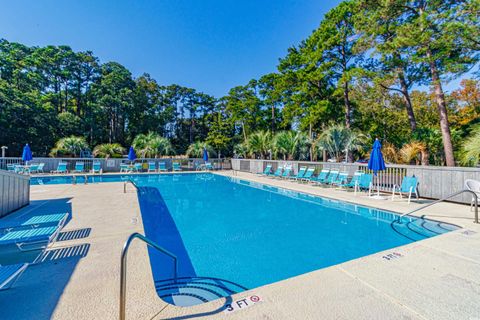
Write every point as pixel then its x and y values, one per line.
pixel 231 235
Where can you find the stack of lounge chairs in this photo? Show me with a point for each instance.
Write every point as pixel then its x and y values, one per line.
pixel 26 233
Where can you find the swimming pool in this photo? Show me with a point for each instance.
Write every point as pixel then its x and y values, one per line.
pixel 231 235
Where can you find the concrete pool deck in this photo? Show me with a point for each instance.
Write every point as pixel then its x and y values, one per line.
pixel 437 278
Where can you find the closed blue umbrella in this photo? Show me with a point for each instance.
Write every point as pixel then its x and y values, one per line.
pixel 376 162
pixel 131 154
pixel 27 154
pixel 205 154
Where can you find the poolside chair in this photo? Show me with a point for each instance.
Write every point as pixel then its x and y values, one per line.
pixel 353 182
pixel 287 172
pixel 124 167
pixel 162 166
pixel 18 168
pixel 138 167
pixel 11 167
pixel 33 221
pixel 40 167
pixel 409 186
pixel 277 173
pixel 308 174
pixel 152 167
pixel 33 168
pixel 61 168
pixel 267 171
pixel 176 166
pixel 332 177
pixel 341 178
pixel 322 176
pixel 209 166
pixel 365 182
pixel 28 239
pixel 79 167
pixel 473 185
pixel 96 167
pixel 300 174
pixel 10 273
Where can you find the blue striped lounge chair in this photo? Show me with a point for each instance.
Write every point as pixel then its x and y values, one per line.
pixel 408 187
pixel 278 172
pixel 138 167
pixel 96 167
pixel 176 166
pixel 365 182
pixel 124 167
pixel 79 167
pixel 341 178
pixel 61 168
pixel 300 174
pixel 152 167
pixel 162 166
pixel 332 177
pixel 267 171
pixel 353 182
pixel 287 172
pixel 209 166
pixel 308 174
pixel 321 177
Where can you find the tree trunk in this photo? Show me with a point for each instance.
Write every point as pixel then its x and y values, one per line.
pixel 273 119
pixel 442 111
pixel 348 107
pixel 408 102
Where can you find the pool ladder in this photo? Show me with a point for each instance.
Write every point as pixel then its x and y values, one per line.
pixel 123 266
pixel 475 201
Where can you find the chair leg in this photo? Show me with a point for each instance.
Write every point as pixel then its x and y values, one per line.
pixel 393 193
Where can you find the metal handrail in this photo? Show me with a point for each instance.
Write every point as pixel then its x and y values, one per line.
pixel 475 197
pixel 74 178
pixel 125 185
pixel 123 266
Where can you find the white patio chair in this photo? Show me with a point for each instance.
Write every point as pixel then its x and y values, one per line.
pixel 473 185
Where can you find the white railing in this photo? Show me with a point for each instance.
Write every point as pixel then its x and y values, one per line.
pixel 434 182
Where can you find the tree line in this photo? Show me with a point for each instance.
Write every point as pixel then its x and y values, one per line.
pixel 357 76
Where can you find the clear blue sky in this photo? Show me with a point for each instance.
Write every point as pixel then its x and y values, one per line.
pixel 209 45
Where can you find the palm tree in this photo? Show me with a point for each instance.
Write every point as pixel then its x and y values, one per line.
pixel 411 151
pixel 291 144
pixel 195 150
pixel 260 143
pixel 151 145
pixel 69 146
pixel 108 150
pixel 240 150
pixel 470 152
pixel 340 141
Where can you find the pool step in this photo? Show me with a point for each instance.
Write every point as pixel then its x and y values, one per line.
pixel 419 229
pixel 188 291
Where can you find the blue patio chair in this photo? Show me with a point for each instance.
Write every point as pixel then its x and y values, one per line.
pixel 409 186
pixel 96 167
pixel 41 165
pixel 365 182
pixel 286 173
pixel 33 221
pixel 332 177
pixel 321 177
pixel 79 167
pixel 353 182
pixel 278 172
pixel 17 168
pixel 176 166
pixel 152 167
pixel 124 167
pixel 162 166
pixel 138 167
pixel 341 178
pixel 209 166
pixel 11 167
pixel 308 174
pixel 10 273
pixel 33 168
pixel 300 174
pixel 28 239
pixel 267 171
pixel 61 168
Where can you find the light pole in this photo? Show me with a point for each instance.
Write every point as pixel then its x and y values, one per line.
pixel 3 151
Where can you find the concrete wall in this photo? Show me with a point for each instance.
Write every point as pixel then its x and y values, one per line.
pixel 434 182
pixel 14 192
